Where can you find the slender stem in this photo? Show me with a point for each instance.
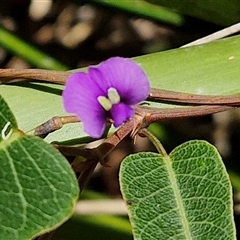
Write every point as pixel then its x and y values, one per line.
pixel 86 174
pixel 95 155
pixel 60 77
pixel 154 141
pixel 153 114
pixel 83 151
pixel 100 152
pixel 112 141
pixel 54 124
pixel 171 96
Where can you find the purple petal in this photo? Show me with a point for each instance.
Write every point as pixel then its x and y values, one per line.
pixel 80 97
pixel 120 113
pixel 125 76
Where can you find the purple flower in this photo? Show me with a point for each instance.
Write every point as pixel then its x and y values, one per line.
pixel 106 92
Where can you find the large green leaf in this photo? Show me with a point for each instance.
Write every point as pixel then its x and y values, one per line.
pixel 145 9
pixel 183 195
pixel 14 44
pixel 35 103
pixel 38 189
pixel 206 69
pixel 222 12
pixel 211 68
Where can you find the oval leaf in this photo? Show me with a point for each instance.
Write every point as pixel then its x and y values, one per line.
pixel 38 189
pixel 185 195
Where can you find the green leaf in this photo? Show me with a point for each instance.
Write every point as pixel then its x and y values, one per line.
pixel 211 68
pixel 206 69
pixel 28 52
pixel 183 195
pixel 7 120
pixel 222 12
pixel 145 9
pixel 38 189
pixel 35 103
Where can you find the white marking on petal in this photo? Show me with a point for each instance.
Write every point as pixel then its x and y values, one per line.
pixel 4 133
pixel 105 103
pixel 113 95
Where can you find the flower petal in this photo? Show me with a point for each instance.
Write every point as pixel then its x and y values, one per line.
pixel 80 97
pixel 120 113
pixel 125 76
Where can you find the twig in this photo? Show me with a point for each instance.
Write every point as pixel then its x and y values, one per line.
pixel 144 132
pixel 60 77
pixel 178 97
pixel 153 115
pixel 53 124
pixel 8 75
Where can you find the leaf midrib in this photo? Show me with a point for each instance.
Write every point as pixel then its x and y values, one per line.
pixel 178 197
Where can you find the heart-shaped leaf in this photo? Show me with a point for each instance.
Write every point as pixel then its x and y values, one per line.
pixel 184 195
pixel 38 188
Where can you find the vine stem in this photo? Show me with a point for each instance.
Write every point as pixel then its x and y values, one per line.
pixel 152 115
pixel 178 97
pixel 157 144
pixel 60 77
pixel 10 75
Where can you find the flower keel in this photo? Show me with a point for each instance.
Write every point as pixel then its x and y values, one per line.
pixel 113 95
pixel 108 102
pixel 105 103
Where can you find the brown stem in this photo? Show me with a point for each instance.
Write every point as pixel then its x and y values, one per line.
pixel 171 96
pixel 83 151
pixel 85 175
pixel 60 77
pixel 53 124
pixel 112 141
pixel 143 117
pixel 144 132
pixel 95 155
pixel 154 115
pixel 100 152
